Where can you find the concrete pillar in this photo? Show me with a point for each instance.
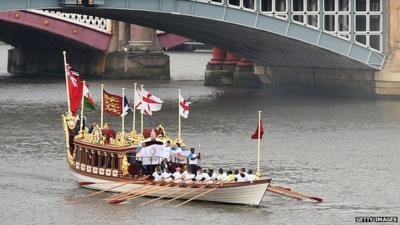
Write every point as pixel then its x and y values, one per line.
pixel 230 61
pixel 215 74
pixel 264 73
pixel 140 57
pixel 218 56
pixel 143 39
pixel 387 81
pixel 123 34
pixel 244 75
pixel 114 44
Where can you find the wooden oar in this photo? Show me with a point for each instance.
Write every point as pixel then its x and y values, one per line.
pixel 136 195
pixel 179 196
pixel 141 195
pixel 317 199
pixel 291 194
pixel 136 191
pixel 198 196
pixel 129 192
pixel 108 189
pixel 164 196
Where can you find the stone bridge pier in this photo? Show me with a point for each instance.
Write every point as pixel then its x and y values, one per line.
pixel 385 82
pixel 113 49
pixel 138 54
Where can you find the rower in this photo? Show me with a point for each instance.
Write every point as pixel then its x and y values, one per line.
pixel 157 174
pixel 230 177
pixel 206 176
pixel 221 176
pixel 165 166
pixel 199 175
pixel 189 177
pixel 251 176
pixel 242 176
pixel 166 175
pixel 210 175
pixel 177 175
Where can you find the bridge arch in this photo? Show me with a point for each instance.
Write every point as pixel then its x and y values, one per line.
pixel 261 38
pixel 26 28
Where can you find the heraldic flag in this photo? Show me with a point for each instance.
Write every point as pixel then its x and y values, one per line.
pixel 112 104
pixel 75 89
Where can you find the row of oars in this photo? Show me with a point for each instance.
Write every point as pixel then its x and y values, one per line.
pixel 153 188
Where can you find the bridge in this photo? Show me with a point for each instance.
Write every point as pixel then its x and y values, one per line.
pixel 312 36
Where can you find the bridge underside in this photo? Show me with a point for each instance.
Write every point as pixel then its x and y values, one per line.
pixel 27 37
pixel 262 47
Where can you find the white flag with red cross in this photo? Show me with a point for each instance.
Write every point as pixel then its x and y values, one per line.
pixel 184 107
pixel 149 103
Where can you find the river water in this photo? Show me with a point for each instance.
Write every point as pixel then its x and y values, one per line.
pixel 342 150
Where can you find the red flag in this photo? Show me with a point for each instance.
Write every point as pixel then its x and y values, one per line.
pixel 255 135
pixel 112 104
pixel 75 89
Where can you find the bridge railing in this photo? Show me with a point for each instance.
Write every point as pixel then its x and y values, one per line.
pixel 358 21
pixel 93 22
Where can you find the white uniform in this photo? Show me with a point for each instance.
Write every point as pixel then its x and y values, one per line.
pixel 242 179
pixel 252 177
pixel 194 161
pixel 221 177
pixel 206 177
pixel 177 175
pixel 157 177
pixel 199 177
pixel 165 175
pixel 189 176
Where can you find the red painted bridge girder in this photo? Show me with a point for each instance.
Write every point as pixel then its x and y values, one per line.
pixel 168 40
pixel 86 36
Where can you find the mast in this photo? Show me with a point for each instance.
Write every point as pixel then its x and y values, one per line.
pixel 122 110
pixel 82 105
pixel 142 112
pixel 102 106
pixel 258 144
pixel 134 109
pixel 179 118
pixel 66 81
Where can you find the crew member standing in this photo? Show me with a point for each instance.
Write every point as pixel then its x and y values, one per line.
pixel 193 160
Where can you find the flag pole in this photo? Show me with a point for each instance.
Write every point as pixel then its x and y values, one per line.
pixel 122 110
pixel 134 110
pixel 142 112
pixel 66 81
pixel 102 106
pixel 179 118
pixel 83 94
pixel 258 144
